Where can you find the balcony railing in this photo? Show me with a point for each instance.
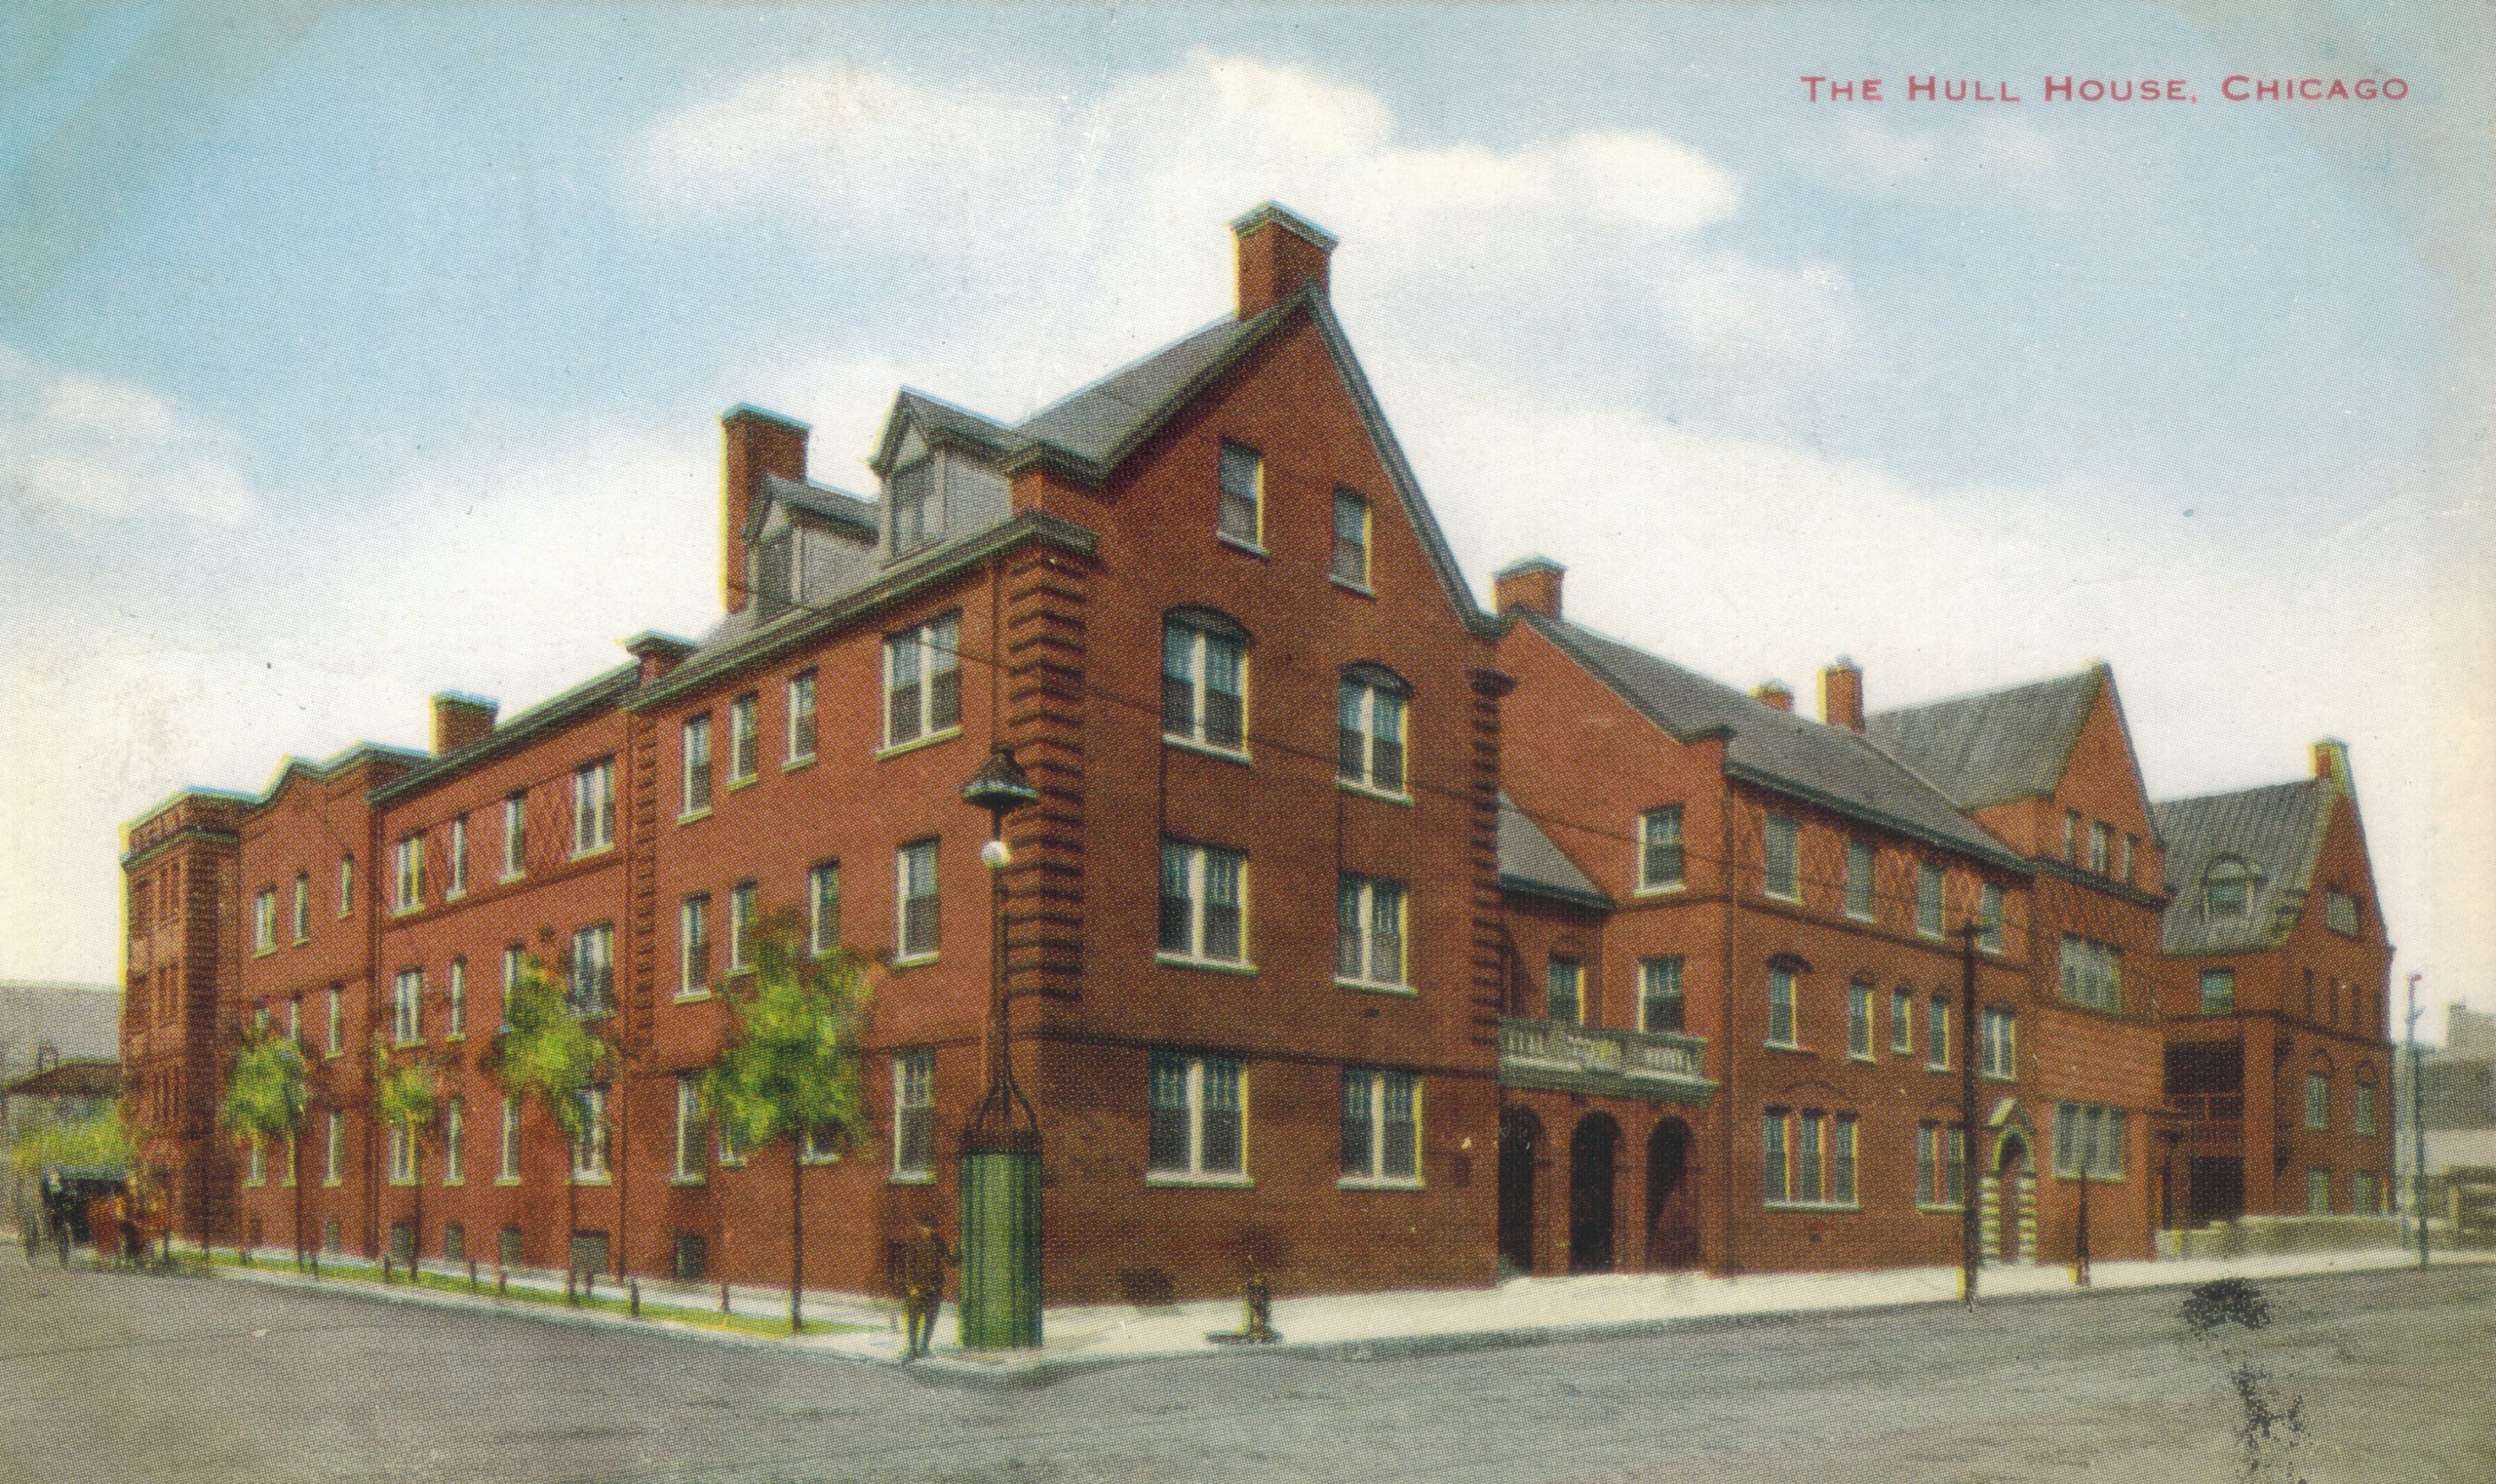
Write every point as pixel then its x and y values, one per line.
pixel 2210 1107
pixel 1554 1054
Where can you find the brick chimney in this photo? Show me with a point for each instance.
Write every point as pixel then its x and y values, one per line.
pixel 1279 251
pixel 1775 693
pixel 1842 695
pixel 460 719
pixel 756 442
pixel 1532 583
pixel 2331 760
pixel 657 653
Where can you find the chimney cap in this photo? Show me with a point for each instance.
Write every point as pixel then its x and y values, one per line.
pixel 651 642
pixel 747 412
pixel 464 698
pixel 1288 220
pixel 1525 564
pixel 1846 662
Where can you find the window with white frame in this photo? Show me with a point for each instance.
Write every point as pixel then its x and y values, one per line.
pixel 1381 1126
pixel 1858 1021
pixel 255 1170
pixel 2365 1109
pixel 1369 931
pixel 264 920
pixel 1782 1019
pixel 1989 917
pixel 915 868
pixel 2102 846
pixel 2070 836
pixel 1941 1165
pixel 2218 992
pixel 515 835
pixel 1781 873
pixel 1204 681
pixel 745 909
pixel 458 856
pixel 407 1002
pixel 1204 895
pixel 2226 887
pixel 694 791
pixel 1937 1033
pixel 1659 850
pixel 801 716
pixel 1776 1170
pixel 923 680
pixel 1928 899
pixel 508 1146
pixel 333 1149
pixel 1242 512
pixel 593 990
pixel 915 1113
pixel 2317 1193
pixel 454 1140
pixel 407 874
pixel 744 745
pixel 302 906
pixel 1563 992
pixel 590 1150
pixel 515 964
pixel 688 1127
pixel 2129 867
pixel 594 806
pixel 456 1006
pixel 918 509
pixel 1351 540
pixel 346 885
pixel 402 1154
pixel 2363 1199
pixel 334 1032
pixel 1198 1128
pixel 2092 974
pixel 1859 901
pixel 694 946
pixel 1369 729
pixel 1903 1022
pixel 294 1019
pixel 2317 1100
pixel 1809 1157
pixel 1998 1043
pixel 823 908
pixel 2340 913
pixel 1660 1007
pixel 2091 1136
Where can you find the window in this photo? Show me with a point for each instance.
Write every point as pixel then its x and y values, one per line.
pixel 335 1031
pixel 2070 836
pixel 1858 1021
pixel 1859 879
pixel 1901 1023
pixel 1780 879
pixel 1937 1033
pixel 1998 1043
pixel 2101 843
pixel 823 908
pixel 693 947
pixel 2365 1109
pixel 696 790
pixel 507 1169
pixel 2317 1193
pixel 911 491
pixel 1369 931
pixel 458 856
pixel 515 835
pixel 1777 1185
pixel 1807 1158
pixel 515 964
pixel 455 1142
pixel 593 991
pixel 2092 974
pixel 1565 991
pixel 333 1150
pixel 407 874
pixel 2218 992
pixel 1351 538
pixel 2226 888
pixel 255 1170
pixel 2317 1100
pixel 688 1127
pixel 458 1001
pixel 594 806
pixel 1841 1155
pixel 1928 899
pixel 2340 913
pixel 1781 1006
pixel 1659 995
pixel 915 932
pixel 1197 1128
pixel 403 1154
pixel 2363 1198
pixel 915 1113
pixel 1204 681
pixel 294 1019
pixel 1203 892
pixel 589 1150
pixel 1242 516
pixel 1989 917
pixel 2089 1136
pixel 923 680
pixel 264 920
pixel 302 906
pixel 1369 729
pixel 1659 850
pixel 1382 1127
pixel 2131 859
pixel 744 907
pixel 346 885
pixel 408 1023
pixel 801 716
pixel 743 743
pixel 1941 1165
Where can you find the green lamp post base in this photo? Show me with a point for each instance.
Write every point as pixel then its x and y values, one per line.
pixel 1002 1247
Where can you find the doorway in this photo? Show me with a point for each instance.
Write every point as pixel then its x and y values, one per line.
pixel 2214 1190
pixel 1520 1144
pixel 1672 1230
pixel 1592 1152
pixel 2015 1200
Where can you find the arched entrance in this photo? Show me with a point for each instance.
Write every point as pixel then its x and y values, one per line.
pixel 1672 1228
pixel 1520 1143
pixel 1592 1151
pixel 2008 1215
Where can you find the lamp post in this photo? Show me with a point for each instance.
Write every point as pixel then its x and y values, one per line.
pixel 1000 1180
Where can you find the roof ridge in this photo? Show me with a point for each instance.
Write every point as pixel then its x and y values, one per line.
pixel 1115 372
pixel 2236 793
pixel 2093 668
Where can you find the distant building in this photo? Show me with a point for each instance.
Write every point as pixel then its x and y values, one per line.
pixel 43 1025
pixel 2457 1085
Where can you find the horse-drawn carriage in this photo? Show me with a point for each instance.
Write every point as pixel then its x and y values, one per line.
pixel 84 1205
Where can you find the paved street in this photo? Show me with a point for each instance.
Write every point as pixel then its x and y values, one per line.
pixel 124 1378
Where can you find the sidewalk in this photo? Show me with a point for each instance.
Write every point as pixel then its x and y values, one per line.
pixel 1522 1311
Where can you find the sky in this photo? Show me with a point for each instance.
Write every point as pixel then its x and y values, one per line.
pixel 351 352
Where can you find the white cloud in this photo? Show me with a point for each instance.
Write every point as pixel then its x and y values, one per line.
pixel 71 443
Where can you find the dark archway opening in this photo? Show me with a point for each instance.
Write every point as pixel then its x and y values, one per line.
pixel 1594 1152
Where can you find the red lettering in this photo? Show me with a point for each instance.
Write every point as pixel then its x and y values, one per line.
pixel 1872 90
pixel 2267 90
pixel 2229 90
pixel 2391 83
pixel 2058 90
pixel 1919 89
pixel 1813 84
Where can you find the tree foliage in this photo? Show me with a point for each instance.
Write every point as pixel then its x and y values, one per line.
pixel 545 1052
pixel 791 1062
pixel 96 1139
pixel 264 1088
pixel 406 1094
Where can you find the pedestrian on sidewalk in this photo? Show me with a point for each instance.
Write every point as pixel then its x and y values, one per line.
pixel 924 1261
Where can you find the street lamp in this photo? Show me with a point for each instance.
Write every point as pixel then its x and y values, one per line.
pixel 1001 1180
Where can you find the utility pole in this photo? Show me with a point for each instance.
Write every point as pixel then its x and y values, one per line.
pixel 1971 1239
pixel 2417 1127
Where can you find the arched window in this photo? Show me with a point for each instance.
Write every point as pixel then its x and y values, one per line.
pixel 2226 887
pixel 1369 728
pixel 1204 679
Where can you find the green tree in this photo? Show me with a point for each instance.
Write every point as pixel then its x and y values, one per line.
pixel 98 1138
pixel 549 1055
pixel 791 1068
pixel 406 1095
pixel 265 1098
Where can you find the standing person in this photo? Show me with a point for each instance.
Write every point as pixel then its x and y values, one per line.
pixel 922 1275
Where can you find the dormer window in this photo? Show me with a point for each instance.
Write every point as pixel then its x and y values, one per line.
pixel 782 575
pixel 2226 887
pixel 912 495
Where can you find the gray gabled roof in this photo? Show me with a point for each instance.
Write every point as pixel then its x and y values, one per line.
pixel 1529 862
pixel 1099 423
pixel 1996 746
pixel 934 415
pixel 839 506
pixel 1831 766
pixel 2276 830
